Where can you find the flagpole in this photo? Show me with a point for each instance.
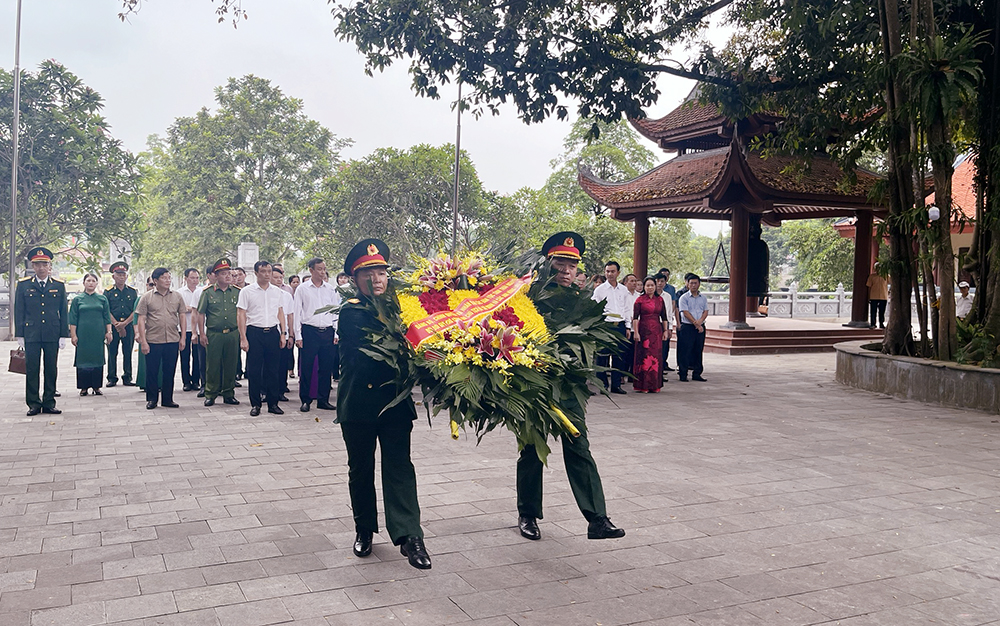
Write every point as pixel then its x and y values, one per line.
pixel 15 132
pixel 454 196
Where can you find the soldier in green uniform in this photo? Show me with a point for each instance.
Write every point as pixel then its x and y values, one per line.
pixel 122 300
pixel 564 251
pixel 365 389
pixel 220 335
pixel 41 326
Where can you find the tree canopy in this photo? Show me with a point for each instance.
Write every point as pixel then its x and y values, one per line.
pixel 74 178
pixel 249 171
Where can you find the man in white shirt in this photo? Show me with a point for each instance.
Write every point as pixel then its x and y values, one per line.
pixel 316 335
pixel 963 303
pixel 262 332
pixel 288 306
pixel 632 284
pixel 614 295
pixel 193 354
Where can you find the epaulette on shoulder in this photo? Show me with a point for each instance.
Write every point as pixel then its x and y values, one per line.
pixel 21 280
pixel 55 279
pixel 354 301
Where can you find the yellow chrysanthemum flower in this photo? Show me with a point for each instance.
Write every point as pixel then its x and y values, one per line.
pixel 534 323
pixel 411 309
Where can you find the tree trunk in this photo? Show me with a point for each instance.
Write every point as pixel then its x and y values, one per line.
pixel 898 334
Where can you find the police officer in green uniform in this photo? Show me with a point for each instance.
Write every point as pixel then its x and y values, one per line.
pixel 121 299
pixel 220 335
pixel 362 395
pixel 564 251
pixel 41 326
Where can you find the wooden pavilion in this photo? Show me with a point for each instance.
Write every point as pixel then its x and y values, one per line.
pixel 715 175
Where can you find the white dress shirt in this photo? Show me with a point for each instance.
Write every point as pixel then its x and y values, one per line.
pixel 260 304
pixel 963 305
pixel 288 307
pixel 308 298
pixel 614 301
pixel 191 299
pixel 668 304
pixel 630 299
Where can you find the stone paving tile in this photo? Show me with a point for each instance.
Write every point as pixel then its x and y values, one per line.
pixel 760 498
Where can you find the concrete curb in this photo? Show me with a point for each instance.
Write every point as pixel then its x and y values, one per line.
pixel 923 380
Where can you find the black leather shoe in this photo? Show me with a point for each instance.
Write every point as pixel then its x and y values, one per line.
pixel 326 406
pixel 187 388
pixel 58 395
pixel 618 390
pixel 52 411
pixel 112 383
pixel 97 392
pixel 529 528
pixel 275 409
pixel 255 411
pixel 232 401
pixel 363 544
pixel 170 405
pixel 209 401
pixel 602 528
pixel 415 552
pixel 201 394
pixel 305 407
pixel 83 392
pixel 34 411
pixel 238 384
pixel 127 383
pixel 150 405
pixel 667 368
pixel 283 398
pixel 699 379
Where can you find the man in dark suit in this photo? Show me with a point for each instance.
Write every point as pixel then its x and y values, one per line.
pixel 41 326
pixel 362 395
pixel 121 300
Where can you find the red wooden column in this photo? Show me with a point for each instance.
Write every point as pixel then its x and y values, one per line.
pixel 738 246
pixel 862 269
pixel 640 247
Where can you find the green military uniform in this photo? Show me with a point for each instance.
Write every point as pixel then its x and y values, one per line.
pixel 222 331
pixel 122 303
pixel 41 318
pixel 581 469
pixel 362 394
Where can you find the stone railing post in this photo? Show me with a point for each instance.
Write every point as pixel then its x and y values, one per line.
pixel 793 291
pixel 841 300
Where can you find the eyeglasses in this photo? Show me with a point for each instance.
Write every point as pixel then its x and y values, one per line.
pixel 149 284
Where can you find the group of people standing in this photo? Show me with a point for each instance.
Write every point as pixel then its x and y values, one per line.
pixel 647 313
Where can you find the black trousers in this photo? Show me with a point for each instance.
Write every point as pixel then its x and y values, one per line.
pixel 399 479
pixel 161 368
pixel 336 362
pixel 615 361
pixel 36 364
pixel 89 377
pixel 191 358
pixel 690 346
pixel 877 307
pixel 263 365
pixel 127 342
pixel 316 342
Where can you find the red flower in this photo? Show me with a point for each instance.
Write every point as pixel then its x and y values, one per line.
pixel 508 317
pixel 434 301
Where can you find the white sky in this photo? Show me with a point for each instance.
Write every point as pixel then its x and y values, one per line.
pixel 165 62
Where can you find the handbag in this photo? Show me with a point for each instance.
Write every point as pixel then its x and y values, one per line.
pixel 18 364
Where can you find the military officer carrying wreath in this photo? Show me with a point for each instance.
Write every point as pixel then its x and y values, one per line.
pixel 41 326
pixel 564 251
pixel 121 300
pixel 365 390
pixel 219 333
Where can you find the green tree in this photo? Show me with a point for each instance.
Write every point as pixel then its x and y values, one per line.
pixel 250 171
pixel 819 255
pixel 403 196
pixel 74 178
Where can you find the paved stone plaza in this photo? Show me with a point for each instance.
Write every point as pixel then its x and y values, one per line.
pixel 769 495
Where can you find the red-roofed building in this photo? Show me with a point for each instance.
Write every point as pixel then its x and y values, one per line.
pixel 715 175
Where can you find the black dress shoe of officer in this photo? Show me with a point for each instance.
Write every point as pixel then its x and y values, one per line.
pixel 201 394
pixel 209 401
pixel 699 379
pixel 112 383
pixel 415 552
pixel 274 408
pixel 602 528
pixel 305 407
pixel 187 388
pixel 618 390
pixel 150 405
pixel 255 411
pixel 363 543
pixel 127 383
pixel 326 406
pixel 283 398
pixel 34 411
pixel 51 411
pixel 529 528
pixel 170 405
pixel 232 401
